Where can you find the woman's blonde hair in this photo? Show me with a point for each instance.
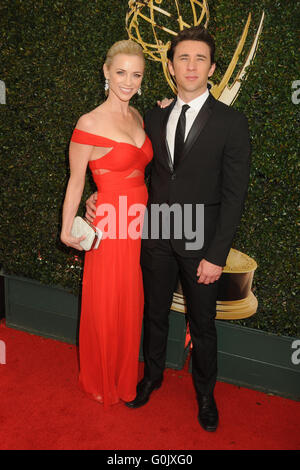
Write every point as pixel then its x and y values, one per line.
pixel 124 47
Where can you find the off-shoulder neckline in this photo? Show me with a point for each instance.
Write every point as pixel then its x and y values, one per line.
pixel 114 141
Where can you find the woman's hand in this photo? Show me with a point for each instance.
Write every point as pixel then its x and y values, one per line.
pixel 90 206
pixel 72 241
pixel 165 102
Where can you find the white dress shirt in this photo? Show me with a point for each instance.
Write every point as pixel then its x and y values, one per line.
pixel 191 113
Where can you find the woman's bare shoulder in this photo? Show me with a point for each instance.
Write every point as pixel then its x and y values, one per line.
pixel 91 120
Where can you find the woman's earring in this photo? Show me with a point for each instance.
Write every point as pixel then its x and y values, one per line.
pixel 139 92
pixel 106 86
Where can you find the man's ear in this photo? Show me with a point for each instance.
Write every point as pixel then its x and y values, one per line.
pixel 212 70
pixel 171 68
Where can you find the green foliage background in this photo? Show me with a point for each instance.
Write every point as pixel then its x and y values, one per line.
pixel 51 60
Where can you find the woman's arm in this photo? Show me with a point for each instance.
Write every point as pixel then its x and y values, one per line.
pixel 79 156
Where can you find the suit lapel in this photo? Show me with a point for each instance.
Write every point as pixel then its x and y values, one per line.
pixel 198 125
pixel 195 131
pixel 164 144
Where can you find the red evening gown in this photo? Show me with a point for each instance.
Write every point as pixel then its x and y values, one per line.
pixel 112 288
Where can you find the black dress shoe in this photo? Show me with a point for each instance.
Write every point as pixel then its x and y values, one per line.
pixel 208 413
pixel 144 390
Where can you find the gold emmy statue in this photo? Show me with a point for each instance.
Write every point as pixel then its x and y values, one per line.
pixel 142 17
pixel 235 299
pixel 150 18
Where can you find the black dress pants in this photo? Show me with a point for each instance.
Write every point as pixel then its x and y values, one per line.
pixel 161 267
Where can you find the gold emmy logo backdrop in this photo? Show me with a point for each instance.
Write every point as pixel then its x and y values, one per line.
pixel 149 18
pixel 149 22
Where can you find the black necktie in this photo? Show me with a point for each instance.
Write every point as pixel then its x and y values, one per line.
pixel 179 135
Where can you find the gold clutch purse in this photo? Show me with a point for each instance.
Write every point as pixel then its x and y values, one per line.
pixel 81 226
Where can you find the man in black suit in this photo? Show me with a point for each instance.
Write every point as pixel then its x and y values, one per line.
pixel 201 158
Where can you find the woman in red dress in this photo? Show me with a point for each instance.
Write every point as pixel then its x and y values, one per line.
pixel 111 141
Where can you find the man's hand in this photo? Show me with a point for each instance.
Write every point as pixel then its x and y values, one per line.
pixel 208 272
pixel 90 206
pixel 165 102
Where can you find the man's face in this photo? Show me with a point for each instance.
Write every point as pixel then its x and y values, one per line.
pixel 191 67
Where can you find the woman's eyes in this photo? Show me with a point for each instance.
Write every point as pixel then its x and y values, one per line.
pixel 136 75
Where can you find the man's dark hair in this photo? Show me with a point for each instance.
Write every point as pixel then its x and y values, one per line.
pixel 196 33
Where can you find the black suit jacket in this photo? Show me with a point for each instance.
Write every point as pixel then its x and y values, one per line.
pixel 213 170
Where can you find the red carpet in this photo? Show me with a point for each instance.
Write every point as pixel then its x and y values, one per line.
pixel 41 408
